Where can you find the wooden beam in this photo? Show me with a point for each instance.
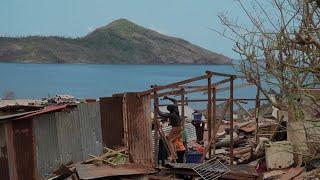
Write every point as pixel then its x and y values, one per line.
pixel 156 128
pixel 182 108
pixel 173 92
pixel 221 74
pixel 222 99
pixel 244 109
pixel 222 82
pixel 176 84
pixel 216 128
pixel 214 118
pixel 231 120
pixel 209 112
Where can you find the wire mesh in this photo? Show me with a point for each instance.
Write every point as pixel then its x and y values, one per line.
pixel 212 169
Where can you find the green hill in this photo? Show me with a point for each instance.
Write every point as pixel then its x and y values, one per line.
pixel 120 42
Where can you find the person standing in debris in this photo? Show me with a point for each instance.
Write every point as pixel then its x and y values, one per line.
pixel 199 125
pixel 175 135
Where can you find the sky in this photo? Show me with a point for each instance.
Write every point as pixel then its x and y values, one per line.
pixel 187 19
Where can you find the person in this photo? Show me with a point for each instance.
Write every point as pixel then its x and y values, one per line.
pixel 175 135
pixel 162 153
pixel 199 125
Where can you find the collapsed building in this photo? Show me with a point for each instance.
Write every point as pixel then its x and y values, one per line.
pixel 119 136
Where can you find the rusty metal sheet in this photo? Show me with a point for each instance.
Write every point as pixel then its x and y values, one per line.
pixel 90 128
pixel 23 143
pixel 48 154
pixel 43 111
pixel 69 136
pixel 112 125
pixel 91 171
pixel 139 124
pixel 11 116
pixel 64 136
pixel 4 166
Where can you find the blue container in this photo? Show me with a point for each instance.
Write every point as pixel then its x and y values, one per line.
pixel 193 157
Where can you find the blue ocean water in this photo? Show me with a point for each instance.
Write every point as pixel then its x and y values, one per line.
pixel 94 81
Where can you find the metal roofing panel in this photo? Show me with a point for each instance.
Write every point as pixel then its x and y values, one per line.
pixel 6 117
pixel 43 111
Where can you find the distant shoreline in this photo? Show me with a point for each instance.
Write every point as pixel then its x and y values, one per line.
pixel 19 62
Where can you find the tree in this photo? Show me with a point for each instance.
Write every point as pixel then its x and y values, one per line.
pixel 281 51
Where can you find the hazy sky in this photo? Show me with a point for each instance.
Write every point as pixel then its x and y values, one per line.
pixel 187 19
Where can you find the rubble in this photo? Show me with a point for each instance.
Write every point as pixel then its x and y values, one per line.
pixel 235 145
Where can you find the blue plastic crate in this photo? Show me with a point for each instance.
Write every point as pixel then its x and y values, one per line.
pixel 193 157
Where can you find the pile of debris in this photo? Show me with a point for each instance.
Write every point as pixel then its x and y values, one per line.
pixel 111 158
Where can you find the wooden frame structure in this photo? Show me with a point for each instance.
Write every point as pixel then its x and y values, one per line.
pixel 182 88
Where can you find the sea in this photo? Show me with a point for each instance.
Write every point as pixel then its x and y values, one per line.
pixel 36 81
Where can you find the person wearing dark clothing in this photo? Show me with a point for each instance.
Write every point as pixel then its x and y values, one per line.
pixel 163 154
pixel 173 115
pixel 175 135
pixel 199 125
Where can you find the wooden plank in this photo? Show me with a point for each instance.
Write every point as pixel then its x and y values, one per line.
pixel 176 84
pixel 231 120
pixel 209 113
pixel 216 129
pixel 182 108
pixel 158 130
pixel 222 99
pixel 214 118
pixel 173 92
pixel 222 74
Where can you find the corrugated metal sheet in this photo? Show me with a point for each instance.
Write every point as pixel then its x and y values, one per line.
pixel 4 167
pixel 139 128
pixel 90 126
pixel 112 124
pixel 47 149
pixel 68 135
pixel 43 111
pixel 23 143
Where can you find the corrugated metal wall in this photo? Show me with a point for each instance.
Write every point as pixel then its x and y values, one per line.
pixel 112 121
pixel 67 135
pixel 47 149
pixel 68 132
pixel 90 126
pixel 4 167
pixel 139 128
pixel 23 142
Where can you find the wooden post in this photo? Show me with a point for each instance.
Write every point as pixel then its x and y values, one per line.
pixel 209 113
pixel 214 119
pixel 257 114
pixel 231 120
pixel 156 133
pixel 182 108
pixel 159 134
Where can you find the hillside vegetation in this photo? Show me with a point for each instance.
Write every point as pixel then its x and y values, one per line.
pixel 120 42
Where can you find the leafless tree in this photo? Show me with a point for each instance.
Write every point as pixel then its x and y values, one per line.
pixel 280 50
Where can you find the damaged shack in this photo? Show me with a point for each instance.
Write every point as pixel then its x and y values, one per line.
pixel 122 136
